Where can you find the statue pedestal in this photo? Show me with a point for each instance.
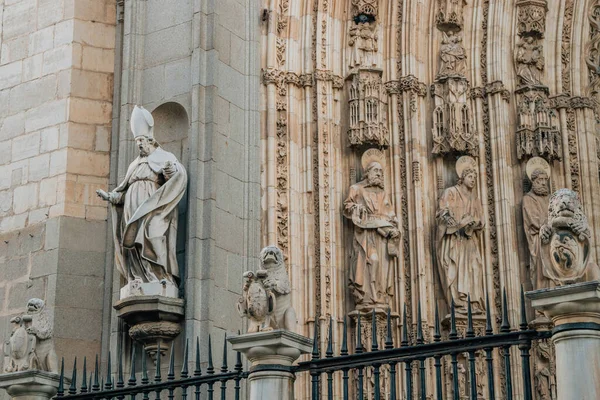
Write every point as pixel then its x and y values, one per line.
pixel 154 320
pixel 366 325
pixel 30 385
pixel 271 354
pixel 575 311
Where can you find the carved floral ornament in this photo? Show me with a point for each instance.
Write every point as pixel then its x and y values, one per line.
pixel 449 14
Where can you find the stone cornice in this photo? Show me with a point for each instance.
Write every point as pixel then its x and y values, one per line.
pixel 408 83
pixel 277 77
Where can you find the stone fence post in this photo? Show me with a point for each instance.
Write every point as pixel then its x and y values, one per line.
pixel 575 311
pixel 271 355
pixel 30 385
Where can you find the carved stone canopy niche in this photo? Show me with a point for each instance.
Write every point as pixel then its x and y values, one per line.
pixel 449 15
pixel 453 130
pixel 531 18
pixel 367 103
pixel 366 8
pixel 538 133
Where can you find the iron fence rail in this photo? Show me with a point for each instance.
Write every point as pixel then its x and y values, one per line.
pixel 414 356
pixel 388 361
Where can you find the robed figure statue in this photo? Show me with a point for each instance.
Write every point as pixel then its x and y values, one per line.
pixel 376 236
pixel 144 210
pixel 459 253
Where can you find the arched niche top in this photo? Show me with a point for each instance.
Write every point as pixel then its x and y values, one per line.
pixel 171 129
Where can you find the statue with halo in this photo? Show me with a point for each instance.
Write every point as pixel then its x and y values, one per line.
pixel 376 235
pixel 459 253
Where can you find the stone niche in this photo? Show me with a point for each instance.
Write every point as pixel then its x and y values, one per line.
pixel 367 103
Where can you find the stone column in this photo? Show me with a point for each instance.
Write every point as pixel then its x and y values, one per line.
pixel 271 355
pixel 575 312
pixel 30 385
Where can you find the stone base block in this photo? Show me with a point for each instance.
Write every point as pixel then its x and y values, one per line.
pixel 30 385
pixel 277 347
pixel 139 288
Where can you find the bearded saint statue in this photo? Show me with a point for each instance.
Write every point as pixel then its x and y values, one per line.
pixel 535 216
pixel 144 209
pixel 375 240
pixel 459 255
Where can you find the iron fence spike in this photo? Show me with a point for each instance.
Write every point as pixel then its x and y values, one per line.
pixel 389 341
pixel 184 368
pixel 470 332
pixel 329 351
pixel 404 328
pixel 489 330
pixel 344 348
pixel 437 336
pixel 211 368
pixel 238 360
pixel 198 368
pixel 453 335
pixel 523 325
pixel 73 387
pixel 132 379
pixel 224 367
pixel 157 374
pixel 61 382
pixel 315 349
pixel 420 339
pixel 84 387
pixel 359 346
pixel 108 384
pixel 374 345
pixel 505 327
pixel 145 379
pixel 171 373
pixel 120 379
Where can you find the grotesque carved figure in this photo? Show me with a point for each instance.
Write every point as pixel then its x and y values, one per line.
pixel 535 215
pixel 144 209
pixel 30 345
pixel 459 253
pixel 530 62
pixel 566 239
pixel 266 298
pixel 376 236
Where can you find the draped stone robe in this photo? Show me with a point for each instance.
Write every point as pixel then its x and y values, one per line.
pixel 372 275
pixel 460 262
pixel 535 214
pixel 145 219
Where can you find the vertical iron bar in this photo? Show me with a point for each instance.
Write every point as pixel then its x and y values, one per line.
pixel 376 373
pixel 508 372
pixel 171 373
pixel 132 379
pixel 345 383
pixel 184 369
pixel 359 350
pixel 473 375
pixel 392 381
pixel 490 372
pixel 455 390
pixel 344 352
pixel 157 375
pixel 145 379
pixel 408 370
pixel 361 389
pixel 422 377
pixel 329 354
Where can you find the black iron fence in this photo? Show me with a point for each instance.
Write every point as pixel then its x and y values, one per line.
pixel 413 357
pixel 372 373
pixel 194 384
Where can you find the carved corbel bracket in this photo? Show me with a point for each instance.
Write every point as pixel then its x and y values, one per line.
pixel 154 321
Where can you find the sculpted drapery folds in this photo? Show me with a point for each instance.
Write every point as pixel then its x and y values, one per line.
pixel 460 221
pixel 144 209
pixel 453 56
pixel 535 215
pixel 376 236
pixel 530 62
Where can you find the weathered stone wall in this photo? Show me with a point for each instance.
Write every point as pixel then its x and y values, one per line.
pixel 56 86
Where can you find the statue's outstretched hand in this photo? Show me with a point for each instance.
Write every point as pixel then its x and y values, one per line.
pixel 103 195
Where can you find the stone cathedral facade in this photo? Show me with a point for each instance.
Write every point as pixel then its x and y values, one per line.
pixel 385 146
